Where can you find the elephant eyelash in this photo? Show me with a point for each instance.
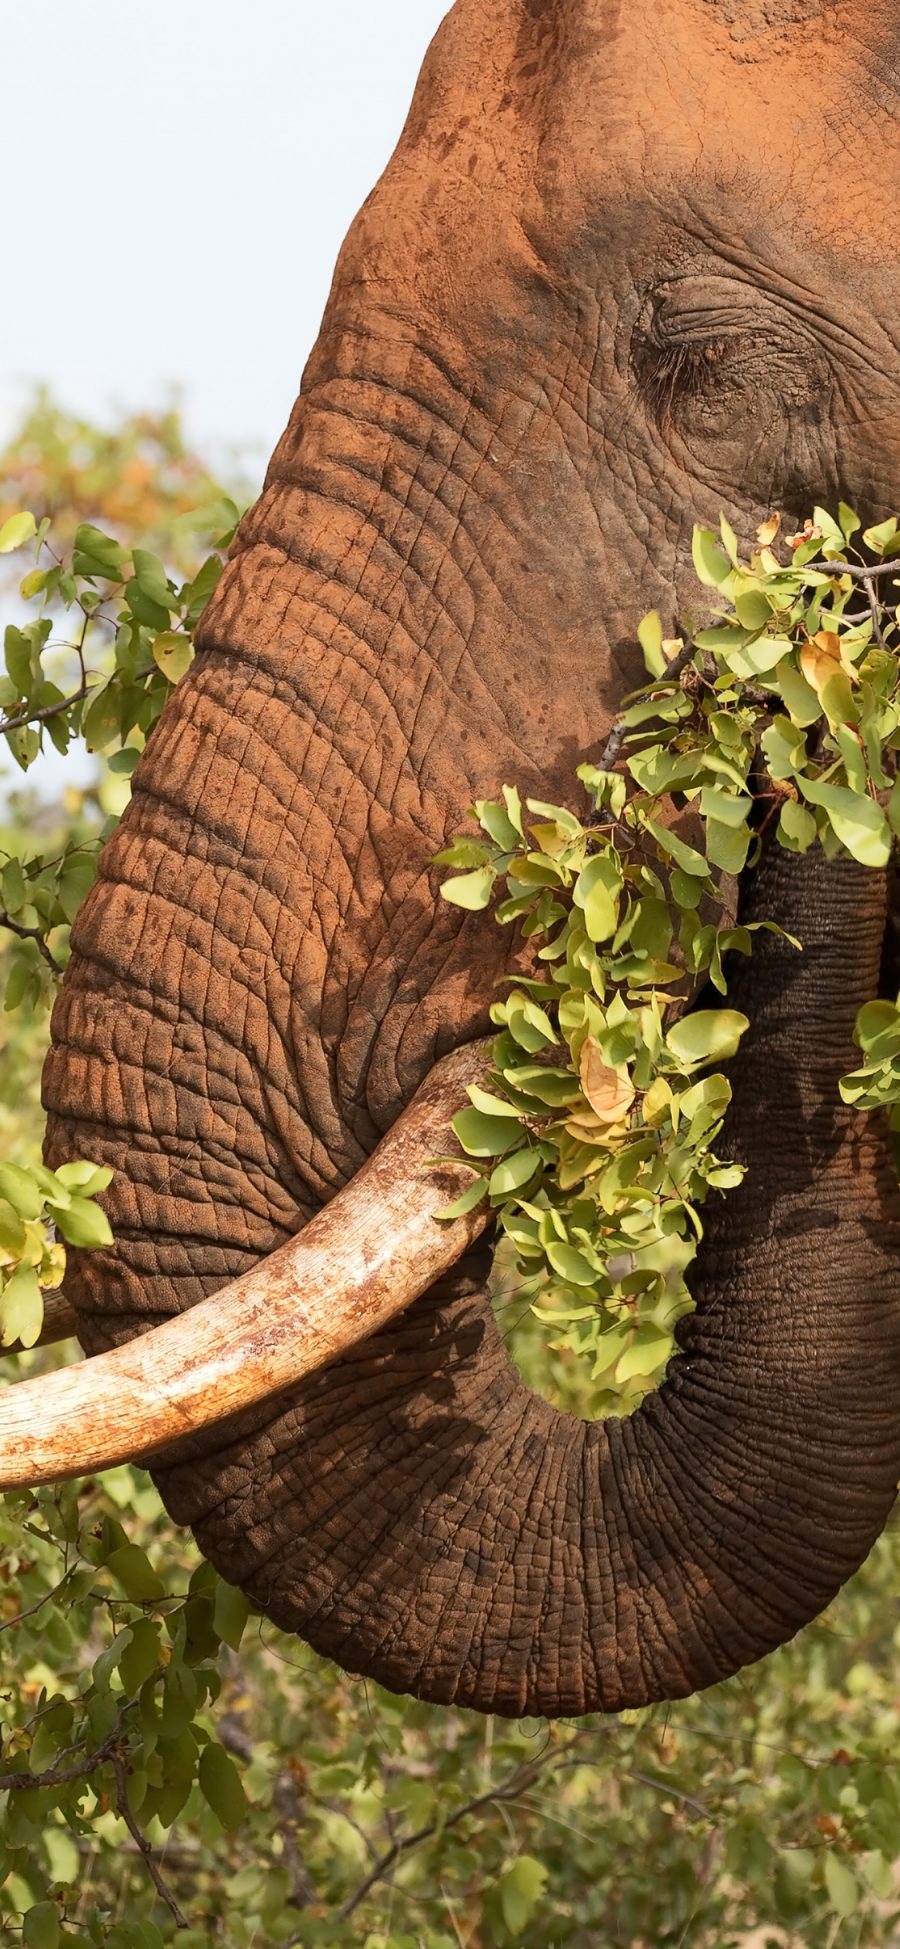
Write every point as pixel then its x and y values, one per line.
pixel 679 371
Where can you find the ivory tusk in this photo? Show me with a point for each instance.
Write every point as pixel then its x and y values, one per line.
pixel 363 1258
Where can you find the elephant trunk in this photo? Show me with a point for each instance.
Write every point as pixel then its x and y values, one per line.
pixel 422 1516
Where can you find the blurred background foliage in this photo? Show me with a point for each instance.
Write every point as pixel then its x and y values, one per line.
pixel 182 1771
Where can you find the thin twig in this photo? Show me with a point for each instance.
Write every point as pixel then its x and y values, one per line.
pixel 674 1793
pixel 65 703
pixel 859 569
pixel 288 1804
pixel 874 611
pixel 30 934
pixel 673 669
pixel 508 1789
pixel 48 710
pixel 60 1776
pixel 141 1842
pixel 9 1623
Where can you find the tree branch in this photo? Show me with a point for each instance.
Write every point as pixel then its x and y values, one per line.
pixel 861 570
pixel 48 710
pixel 30 934
pixel 60 1776
pixel 672 670
pixel 141 1842
pixel 508 1789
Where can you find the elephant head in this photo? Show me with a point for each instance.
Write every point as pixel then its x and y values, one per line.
pixel 628 267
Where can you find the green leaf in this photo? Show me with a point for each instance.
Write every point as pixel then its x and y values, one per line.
pixel 151 578
pixel 482 1136
pixel 40 1928
pixel 84 1223
pixel 134 1573
pixel 21 1307
pixel 874 1020
pixel 752 609
pixel 12 883
pixel 842 1885
pixel 466 1201
pixel 878 539
pixel 729 540
pixel 490 1106
pixel 708 1035
pixel 647 1351
pixel 14 533
pixel 141 1656
pixel 727 847
pixel 522 1884
pixel 687 857
pixel 650 637
pixel 220 1785
pixel 796 827
pixel 470 890
pixel 729 807
pixel 12 1230
pixel 21 1191
pixel 800 698
pixel 596 892
pixel 230 1613
pixel 514 1172
pixel 101 719
pixel 570 1264
pixel 712 566
pixel 858 822
pixel 85 1177
pixel 784 747
pixel 97 554
pixel 77 876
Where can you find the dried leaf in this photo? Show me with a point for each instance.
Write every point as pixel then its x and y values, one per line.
pixel 822 657
pixel 609 1092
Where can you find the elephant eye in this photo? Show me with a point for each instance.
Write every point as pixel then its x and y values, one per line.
pixel 709 353
pixel 682 371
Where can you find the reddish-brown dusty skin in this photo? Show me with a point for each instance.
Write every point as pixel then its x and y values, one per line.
pixel 628 266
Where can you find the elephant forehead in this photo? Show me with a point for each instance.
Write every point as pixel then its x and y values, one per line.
pixel 553 108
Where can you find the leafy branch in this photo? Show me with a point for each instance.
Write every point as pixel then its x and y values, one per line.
pixel 594 1137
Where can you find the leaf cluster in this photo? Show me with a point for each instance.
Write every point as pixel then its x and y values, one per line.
pixel 594 1138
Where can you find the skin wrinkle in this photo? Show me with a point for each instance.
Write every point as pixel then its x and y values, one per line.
pixel 437 592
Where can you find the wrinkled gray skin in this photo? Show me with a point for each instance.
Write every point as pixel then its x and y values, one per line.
pixel 628 267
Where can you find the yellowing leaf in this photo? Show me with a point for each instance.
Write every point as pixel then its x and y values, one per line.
pixel 470 890
pixel 650 637
pixel 822 657
pixel 657 1102
pixel 609 1092
pixel 707 1035
pixel 16 531
pixel 766 532
pixel 21 1308
pixel 173 654
pixel 711 565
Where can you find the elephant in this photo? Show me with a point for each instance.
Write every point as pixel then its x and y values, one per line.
pixel 627 267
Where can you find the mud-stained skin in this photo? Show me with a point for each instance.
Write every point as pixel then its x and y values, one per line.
pixel 585 306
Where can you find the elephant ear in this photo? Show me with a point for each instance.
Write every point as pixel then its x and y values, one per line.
pixel 417 1513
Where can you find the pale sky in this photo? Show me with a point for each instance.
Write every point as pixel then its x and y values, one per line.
pixel 178 179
